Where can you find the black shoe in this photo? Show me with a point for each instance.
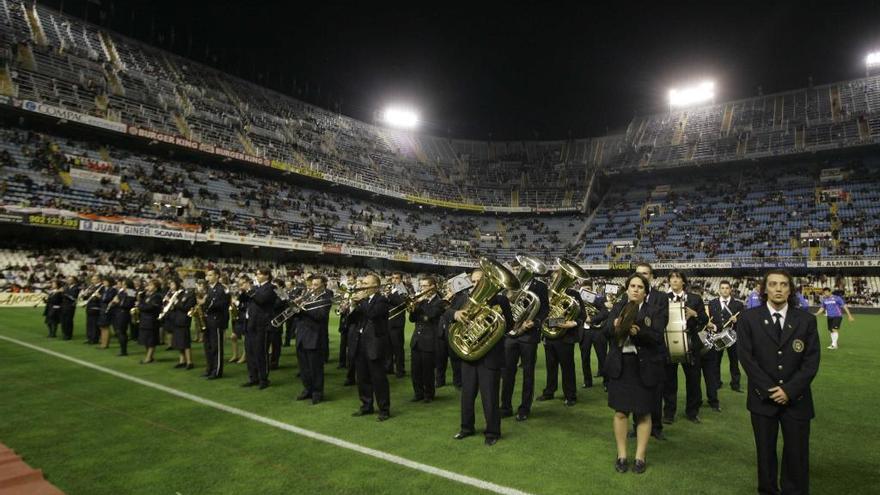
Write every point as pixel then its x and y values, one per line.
pixel 428 400
pixel 506 413
pixel 695 419
pixel 147 362
pixel 264 385
pixel 212 377
pixel 169 348
pixel 316 399
pixel 716 409
pixel 587 385
pixel 383 417
pixel 490 441
pixel 621 465
pixel 361 412
pixel 248 384
pixel 180 365
pixel 189 366
pixel 417 399
pixel 570 402
pixel 522 417
pixel 463 434
pixel 668 420
pixel 304 395
pixel 631 434
pixel 659 435
pixel 206 374
pixel 122 354
pixel 542 398
pixel 639 466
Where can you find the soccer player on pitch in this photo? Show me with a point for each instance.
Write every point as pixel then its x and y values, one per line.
pixel 833 306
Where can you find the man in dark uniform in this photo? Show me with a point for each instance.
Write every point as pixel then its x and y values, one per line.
pixel 294 288
pixel 216 320
pixel 313 321
pixel 261 306
pixel 275 335
pixel 369 340
pixel 68 307
pixel 484 376
pixel 396 296
pixel 559 353
pixel 722 311
pixel 592 336
pixel 426 315
pixel 779 350
pixel 93 310
pixel 696 319
pixel 523 349
pixel 443 352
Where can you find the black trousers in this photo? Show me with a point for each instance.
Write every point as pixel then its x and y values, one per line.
pixel 444 356
pixel 256 344
pixel 694 390
pixel 311 371
pixel 290 331
pixel 67 324
pixel 396 358
pixel 709 365
pixel 514 353
pixel 560 354
pixel 92 330
pixel 594 339
pixel 275 346
pixel 122 337
pixel 795 454
pixel 133 330
pixel 371 381
pixel 52 325
pixel 422 368
pixel 477 377
pixel 343 348
pixel 213 344
pixel 735 375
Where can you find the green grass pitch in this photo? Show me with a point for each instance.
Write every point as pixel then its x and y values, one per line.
pixel 93 433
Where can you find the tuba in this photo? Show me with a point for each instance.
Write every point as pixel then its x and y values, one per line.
pixel 485 325
pixel 562 306
pixel 524 304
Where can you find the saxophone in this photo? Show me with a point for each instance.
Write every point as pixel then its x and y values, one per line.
pixel 484 325
pixel 562 306
pixel 197 313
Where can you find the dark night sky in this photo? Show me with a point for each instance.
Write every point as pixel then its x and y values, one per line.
pixel 510 71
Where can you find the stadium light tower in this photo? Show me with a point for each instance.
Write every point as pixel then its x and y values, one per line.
pixel 692 95
pixel 404 118
pixel 872 63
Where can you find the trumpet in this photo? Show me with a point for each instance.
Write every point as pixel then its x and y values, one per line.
pixel 410 303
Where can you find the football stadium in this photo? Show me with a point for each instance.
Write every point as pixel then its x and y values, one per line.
pixel 218 277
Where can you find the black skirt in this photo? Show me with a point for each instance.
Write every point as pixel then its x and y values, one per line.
pixel 628 393
pixel 180 338
pixel 104 319
pixel 148 336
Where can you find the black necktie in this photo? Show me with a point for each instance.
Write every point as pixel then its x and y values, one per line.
pixel 678 298
pixel 778 317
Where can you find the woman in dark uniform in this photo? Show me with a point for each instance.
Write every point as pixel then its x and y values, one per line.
pixel 104 320
pixel 120 314
pixel 239 323
pixel 53 307
pixel 150 304
pixel 634 368
pixel 178 322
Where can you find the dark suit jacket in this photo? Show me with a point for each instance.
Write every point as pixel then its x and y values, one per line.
pixel 106 296
pixel 533 335
pixel 720 317
pixel 313 323
pixel 217 307
pixel 177 315
pixel 790 361
pixel 370 326
pixel 395 300
pixel 261 308
pixel 68 302
pixel 426 315
pixel 150 306
pixel 120 314
pixel 93 304
pixel 649 344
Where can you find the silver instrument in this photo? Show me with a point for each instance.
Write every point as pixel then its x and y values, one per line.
pixel 524 304
pixel 171 302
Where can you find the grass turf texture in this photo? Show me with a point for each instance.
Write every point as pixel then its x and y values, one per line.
pixel 93 433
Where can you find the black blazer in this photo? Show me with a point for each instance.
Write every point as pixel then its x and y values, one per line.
pixel 217 307
pixel 150 306
pixel 261 308
pixel 369 323
pixel 533 335
pixel 395 300
pixel 106 296
pixel 718 316
pixel 790 361
pixel 240 323
pixel 312 325
pixel 120 314
pixel 93 305
pixel 426 315
pixel 649 344
pixel 68 302
pixel 177 315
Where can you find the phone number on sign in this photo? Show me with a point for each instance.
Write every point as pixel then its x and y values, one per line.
pixel 53 221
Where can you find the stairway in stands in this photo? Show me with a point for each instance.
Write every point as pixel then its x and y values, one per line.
pixel 17 478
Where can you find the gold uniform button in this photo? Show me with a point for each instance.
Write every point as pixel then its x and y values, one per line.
pixel 780 382
pixel 779 352
pixel 780 366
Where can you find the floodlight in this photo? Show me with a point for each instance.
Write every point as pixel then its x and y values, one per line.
pixel 693 95
pixel 872 60
pixel 400 117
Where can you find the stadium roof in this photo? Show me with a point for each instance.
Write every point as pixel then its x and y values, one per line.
pixel 512 71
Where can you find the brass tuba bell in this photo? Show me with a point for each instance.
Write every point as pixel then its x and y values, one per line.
pixel 524 304
pixel 562 306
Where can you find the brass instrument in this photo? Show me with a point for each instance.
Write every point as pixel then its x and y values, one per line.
pixel 484 325
pixel 524 304
pixel 297 306
pixel 197 313
pixel 410 303
pixel 563 307
pixel 170 304
pixel 233 309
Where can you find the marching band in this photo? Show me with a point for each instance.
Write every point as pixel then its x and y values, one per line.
pixel 488 324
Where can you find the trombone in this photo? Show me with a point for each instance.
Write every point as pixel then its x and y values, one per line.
pixel 410 303
pixel 296 306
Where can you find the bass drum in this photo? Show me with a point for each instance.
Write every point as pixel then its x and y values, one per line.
pixel 677 342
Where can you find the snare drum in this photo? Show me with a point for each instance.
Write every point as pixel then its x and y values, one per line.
pixel 724 339
pixel 706 338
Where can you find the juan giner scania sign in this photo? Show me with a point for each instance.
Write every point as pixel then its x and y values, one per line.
pixel 137 230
